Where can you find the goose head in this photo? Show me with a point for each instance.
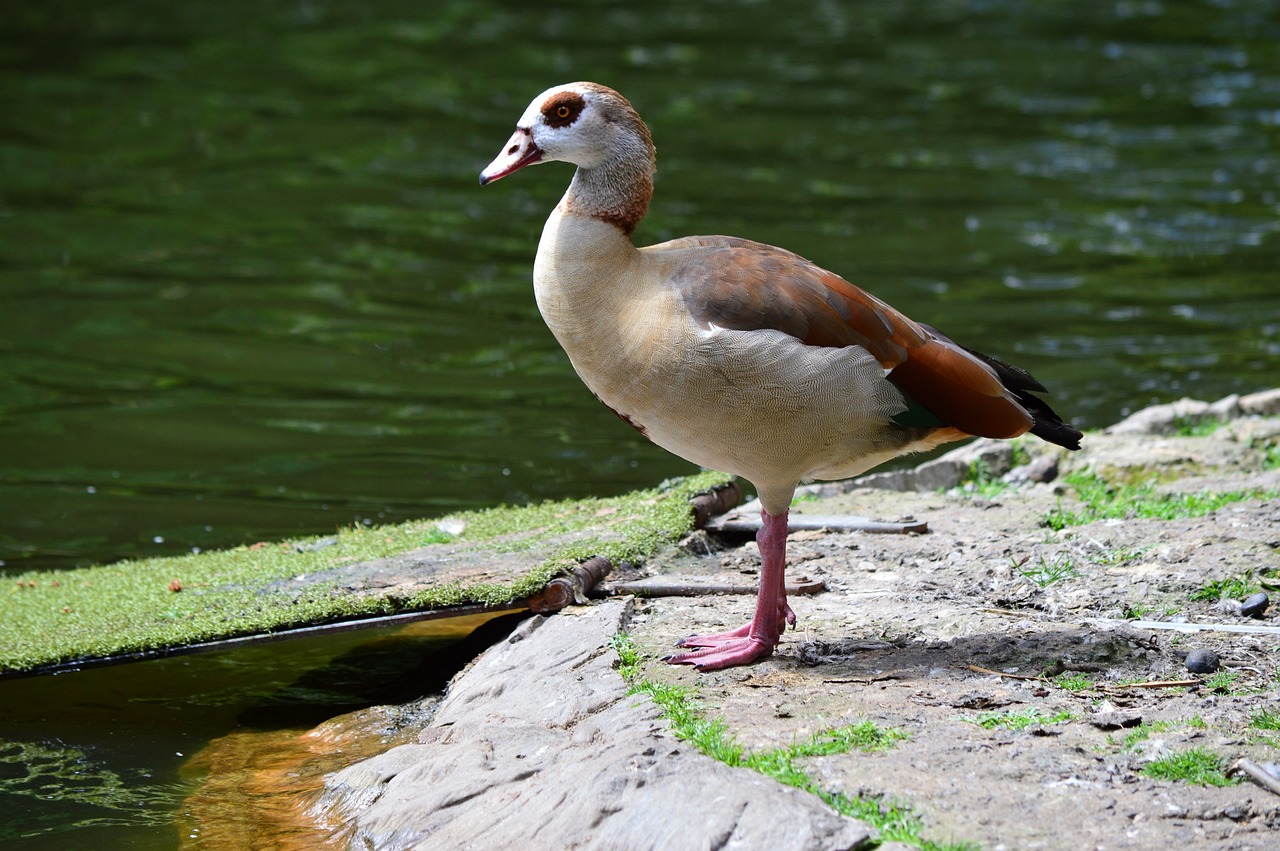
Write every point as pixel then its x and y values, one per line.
pixel 586 124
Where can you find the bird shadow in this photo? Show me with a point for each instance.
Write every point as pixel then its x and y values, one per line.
pixel 1036 653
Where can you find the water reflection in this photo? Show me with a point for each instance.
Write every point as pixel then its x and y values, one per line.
pixel 109 757
pixel 250 289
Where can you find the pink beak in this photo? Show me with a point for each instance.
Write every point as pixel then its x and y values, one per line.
pixel 519 152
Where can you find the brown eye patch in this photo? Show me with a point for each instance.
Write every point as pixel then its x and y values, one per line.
pixel 563 108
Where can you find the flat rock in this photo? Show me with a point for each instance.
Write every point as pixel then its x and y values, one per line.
pixel 946 471
pixel 539 738
pixel 1164 419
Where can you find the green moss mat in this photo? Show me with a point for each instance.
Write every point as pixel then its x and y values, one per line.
pixel 61 616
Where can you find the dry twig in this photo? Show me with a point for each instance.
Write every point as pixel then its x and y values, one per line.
pixel 1156 684
pixel 1258 775
pixel 978 669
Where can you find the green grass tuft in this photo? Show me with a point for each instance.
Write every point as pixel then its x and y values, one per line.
pixel 1271 457
pixel 1194 765
pixel 1045 572
pixel 689 722
pixel 1018 719
pixel 1145 730
pixel 1105 501
pixel 1222 682
pixel 1266 719
pixel 1232 587
pixel 1073 682
pixel 980 481
pixel 1196 426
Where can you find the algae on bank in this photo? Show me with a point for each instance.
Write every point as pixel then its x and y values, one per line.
pixel 500 554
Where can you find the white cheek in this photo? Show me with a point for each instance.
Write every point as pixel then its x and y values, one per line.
pixel 569 144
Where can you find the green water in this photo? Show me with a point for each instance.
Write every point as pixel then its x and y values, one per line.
pixel 249 287
pixel 100 759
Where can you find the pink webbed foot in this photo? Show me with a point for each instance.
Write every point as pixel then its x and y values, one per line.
pixel 724 653
pixel 786 618
pixel 715 640
pixel 757 639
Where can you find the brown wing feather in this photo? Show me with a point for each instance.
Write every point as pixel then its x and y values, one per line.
pixel 743 285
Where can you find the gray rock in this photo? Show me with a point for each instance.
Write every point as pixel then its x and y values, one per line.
pixel 947 471
pixel 1042 470
pixel 1162 419
pixel 1255 606
pixel 1265 403
pixel 1226 408
pixel 1165 419
pixel 1227 606
pixel 539 738
pixel 1203 661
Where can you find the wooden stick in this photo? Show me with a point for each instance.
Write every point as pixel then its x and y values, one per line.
pixel 866 681
pixel 675 586
pixel 1258 775
pixel 1155 684
pixel 738 522
pixel 1190 627
pixel 566 590
pixel 715 502
pixel 978 669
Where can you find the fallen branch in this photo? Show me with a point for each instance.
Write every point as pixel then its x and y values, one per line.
pixel 1188 627
pixel 715 502
pixel 866 681
pixel 1258 775
pixel 978 669
pixel 743 523
pixel 675 586
pixel 1156 684
pixel 567 590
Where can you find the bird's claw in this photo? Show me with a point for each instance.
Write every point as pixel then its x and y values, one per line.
pixel 714 640
pixel 723 654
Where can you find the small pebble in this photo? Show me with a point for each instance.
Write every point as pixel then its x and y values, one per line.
pixel 1115 720
pixel 1227 607
pixel 1254 606
pixel 1203 662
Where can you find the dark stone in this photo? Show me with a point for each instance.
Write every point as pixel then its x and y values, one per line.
pixel 1254 606
pixel 978 700
pixel 1043 469
pixel 1203 661
pixel 1041 730
pixel 1116 720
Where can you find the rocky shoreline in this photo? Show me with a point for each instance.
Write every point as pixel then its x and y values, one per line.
pixel 1030 649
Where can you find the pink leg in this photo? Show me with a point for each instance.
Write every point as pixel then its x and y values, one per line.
pixel 757 639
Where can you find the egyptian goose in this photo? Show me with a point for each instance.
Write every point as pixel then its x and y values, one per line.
pixel 739 356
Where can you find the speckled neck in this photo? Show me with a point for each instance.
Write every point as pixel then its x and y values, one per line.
pixel 617 191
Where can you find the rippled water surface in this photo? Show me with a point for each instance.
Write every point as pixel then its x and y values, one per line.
pixel 249 287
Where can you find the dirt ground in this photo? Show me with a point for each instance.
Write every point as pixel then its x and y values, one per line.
pixel 913 628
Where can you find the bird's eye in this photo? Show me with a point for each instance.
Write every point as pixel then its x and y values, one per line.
pixel 563 109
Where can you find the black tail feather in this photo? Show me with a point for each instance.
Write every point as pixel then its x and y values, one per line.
pixel 1046 424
